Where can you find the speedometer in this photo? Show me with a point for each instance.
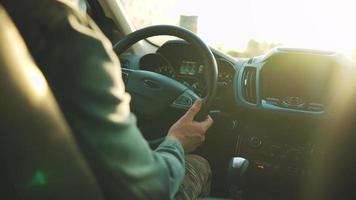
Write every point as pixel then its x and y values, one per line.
pixel 156 63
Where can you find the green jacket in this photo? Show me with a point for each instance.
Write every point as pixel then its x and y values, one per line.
pixel 85 77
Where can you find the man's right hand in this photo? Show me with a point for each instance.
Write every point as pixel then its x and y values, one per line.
pixel 188 132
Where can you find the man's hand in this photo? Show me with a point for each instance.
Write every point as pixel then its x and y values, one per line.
pixel 188 132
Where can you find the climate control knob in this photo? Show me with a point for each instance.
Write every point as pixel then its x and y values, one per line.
pixel 255 142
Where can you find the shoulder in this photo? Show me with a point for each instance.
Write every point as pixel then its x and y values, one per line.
pixel 38 20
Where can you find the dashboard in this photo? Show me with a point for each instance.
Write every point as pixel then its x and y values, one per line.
pixel 289 81
pixel 185 67
pixel 189 71
pixel 275 104
pixel 286 97
pixel 294 81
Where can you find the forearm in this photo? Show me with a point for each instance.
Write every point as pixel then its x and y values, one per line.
pixel 173 152
pixel 134 169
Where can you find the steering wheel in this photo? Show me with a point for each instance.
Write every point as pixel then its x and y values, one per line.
pixel 153 93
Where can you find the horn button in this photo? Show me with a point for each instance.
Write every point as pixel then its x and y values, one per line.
pixel 152 93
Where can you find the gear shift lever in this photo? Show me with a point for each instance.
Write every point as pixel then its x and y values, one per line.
pixel 237 176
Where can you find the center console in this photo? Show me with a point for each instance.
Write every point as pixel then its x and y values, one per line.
pixel 275 158
pixel 284 95
pixel 280 159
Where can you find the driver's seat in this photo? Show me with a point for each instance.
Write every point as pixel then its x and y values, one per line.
pixel 38 156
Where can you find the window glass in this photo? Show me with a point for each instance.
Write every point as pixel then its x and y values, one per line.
pixel 252 27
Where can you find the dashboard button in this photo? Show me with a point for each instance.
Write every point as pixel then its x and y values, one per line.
pixel 272 101
pixel 255 142
pixel 274 150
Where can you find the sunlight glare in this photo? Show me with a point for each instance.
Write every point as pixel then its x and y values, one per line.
pixel 321 24
pixel 36 82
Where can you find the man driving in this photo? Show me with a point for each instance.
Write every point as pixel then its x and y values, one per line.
pixel 84 74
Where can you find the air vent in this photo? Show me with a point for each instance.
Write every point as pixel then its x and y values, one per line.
pixel 249 84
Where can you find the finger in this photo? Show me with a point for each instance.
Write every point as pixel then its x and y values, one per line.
pixel 190 114
pixel 207 123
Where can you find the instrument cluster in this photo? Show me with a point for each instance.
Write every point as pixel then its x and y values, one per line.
pixel 187 71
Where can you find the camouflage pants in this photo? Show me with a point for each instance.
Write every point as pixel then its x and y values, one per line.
pixel 197 180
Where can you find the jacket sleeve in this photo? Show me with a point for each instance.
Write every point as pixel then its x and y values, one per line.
pixel 85 77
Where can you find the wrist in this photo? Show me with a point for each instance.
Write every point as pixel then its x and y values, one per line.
pixel 175 140
pixel 172 137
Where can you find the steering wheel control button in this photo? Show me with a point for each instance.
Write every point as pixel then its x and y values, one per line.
pixel 255 142
pixel 183 101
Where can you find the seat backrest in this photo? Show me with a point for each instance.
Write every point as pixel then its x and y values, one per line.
pixel 39 158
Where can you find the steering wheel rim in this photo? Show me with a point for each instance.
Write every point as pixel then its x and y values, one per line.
pixel 208 59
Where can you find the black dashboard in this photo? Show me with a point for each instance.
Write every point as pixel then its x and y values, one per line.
pixel 185 66
pixel 290 81
pixel 278 101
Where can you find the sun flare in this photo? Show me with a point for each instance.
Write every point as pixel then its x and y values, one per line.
pixel 231 24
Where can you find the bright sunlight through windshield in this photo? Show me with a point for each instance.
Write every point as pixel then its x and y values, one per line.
pixel 251 27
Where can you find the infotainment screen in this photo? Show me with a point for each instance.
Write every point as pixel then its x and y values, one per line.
pixel 295 84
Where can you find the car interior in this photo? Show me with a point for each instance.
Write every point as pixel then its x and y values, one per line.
pixel 283 121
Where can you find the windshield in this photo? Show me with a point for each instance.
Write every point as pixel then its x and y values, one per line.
pixel 244 28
